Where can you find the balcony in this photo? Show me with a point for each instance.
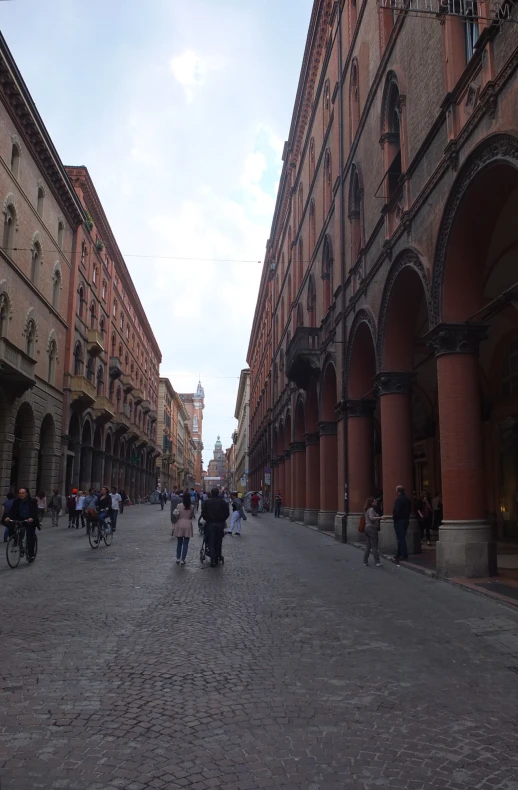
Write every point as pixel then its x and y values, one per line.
pixel 115 368
pixel 303 356
pixel 122 419
pixel 83 391
pixel 95 342
pixel 145 406
pixel 143 438
pixel 153 415
pixel 16 367
pixel 126 382
pixel 104 409
pixel 138 395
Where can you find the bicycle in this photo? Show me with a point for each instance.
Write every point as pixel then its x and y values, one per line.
pixel 100 530
pixel 16 547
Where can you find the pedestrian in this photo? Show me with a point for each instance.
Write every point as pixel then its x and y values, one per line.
pixel 80 500
pixel 401 515
pixel 254 501
pixel 104 507
pixel 372 528
pixel 71 508
pixel 7 505
pixel 238 515
pixel 214 512
pixel 176 499
pixel 425 515
pixel 41 499
pixel 123 501
pixel 55 506
pixel 25 508
pixel 277 505
pixel 437 511
pixel 183 528
pixel 116 500
pixel 89 503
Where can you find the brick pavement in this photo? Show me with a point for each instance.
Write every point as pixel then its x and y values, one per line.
pixel 291 667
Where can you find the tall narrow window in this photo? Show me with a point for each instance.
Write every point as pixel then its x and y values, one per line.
pixel 355 212
pixel 15 160
pixel 115 308
pixel 90 375
pixel 52 362
pixel 83 253
pixel 61 229
pixel 311 300
pixel 92 316
pixel 312 227
pixel 300 272
pixel 56 288
pixel 311 160
pixel 100 381
pixel 30 339
pixel 300 314
pixel 327 104
pixel 41 198
pixel 104 290
pixel 113 344
pixel 4 315
pixel 327 273
pixel 354 99
pixel 9 228
pixel 102 327
pixel 327 183
pixel 289 292
pixel 121 323
pixel 78 359
pixel 300 204
pixel 111 389
pixel 472 32
pixel 81 305
pixel 393 140
pixel 94 275
pixel 35 262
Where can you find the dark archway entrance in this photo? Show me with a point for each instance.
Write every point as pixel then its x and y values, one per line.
pixel 24 456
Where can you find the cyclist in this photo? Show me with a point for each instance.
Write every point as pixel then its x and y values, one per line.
pixel 25 508
pixel 104 506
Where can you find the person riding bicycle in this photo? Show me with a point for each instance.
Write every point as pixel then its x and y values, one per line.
pixel 25 509
pixel 104 506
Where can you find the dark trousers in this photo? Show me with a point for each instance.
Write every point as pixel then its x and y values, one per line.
pixel 121 507
pixel 426 525
pixel 182 544
pixel 31 532
pixel 113 517
pixel 401 528
pixel 214 534
pixel 277 511
pixel 79 514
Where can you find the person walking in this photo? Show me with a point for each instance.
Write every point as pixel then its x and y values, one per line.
pixel 80 500
pixel 254 501
pixel 41 499
pixel 238 515
pixel 71 508
pixel 425 515
pixel 277 504
pixel 176 499
pixel 401 515
pixel 123 500
pixel 183 528
pixel 55 505
pixel 372 528
pixel 116 500
pixel 215 512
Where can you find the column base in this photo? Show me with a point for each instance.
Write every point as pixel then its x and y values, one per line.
pixel 310 517
pixel 326 520
pixel 353 522
pixel 297 514
pixel 341 528
pixel 387 537
pixel 466 549
pixel 291 511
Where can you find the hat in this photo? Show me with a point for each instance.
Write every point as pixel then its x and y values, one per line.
pixel 74 490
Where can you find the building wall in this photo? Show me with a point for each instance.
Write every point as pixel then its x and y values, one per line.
pixel 241 447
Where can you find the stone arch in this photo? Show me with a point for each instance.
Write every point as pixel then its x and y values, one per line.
pixel 52 339
pixel 23 460
pixel 328 390
pixel 30 316
pixel 496 151
pixel 6 308
pixel 10 201
pixel 47 456
pixel 361 358
pixel 407 270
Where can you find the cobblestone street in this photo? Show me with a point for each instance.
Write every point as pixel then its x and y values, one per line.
pixel 291 667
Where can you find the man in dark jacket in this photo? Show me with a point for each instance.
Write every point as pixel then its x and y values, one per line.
pixel 215 512
pixel 25 509
pixel 401 515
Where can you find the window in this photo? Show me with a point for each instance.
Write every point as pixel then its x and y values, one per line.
pixel 83 253
pixel 35 262
pixel 94 275
pixel 104 290
pixel 300 315
pixel 300 204
pixel 81 302
pixel 90 370
pixel 102 326
pixel 470 10
pixel 311 160
pixel 311 300
pixel 327 273
pixel 289 293
pixel 78 359
pixel 15 160
pixel 120 352
pixel 312 227
pixel 9 228
pixel 4 314
pixel 111 389
pixel 115 308
pixel 39 204
pixel 51 372
pixel 510 372
pixel 113 344
pixel 56 288
pixel 92 316
pixel 327 104
pixel 354 100
pixel 121 324
pixel 118 398
pixel 61 229
pixel 290 241
pixel 132 369
pixel 355 212
pixel 300 273
pixel 30 338
pixel 100 381
pixel 281 360
pixel 195 423
pixel 127 331
pixel 133 341
pixel 327 183
pixel 392 140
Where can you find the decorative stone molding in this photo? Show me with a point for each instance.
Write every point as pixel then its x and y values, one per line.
pixel 287 454
pixel 457 338
pixel 312 438
pixel 503 147
pixel 327 428
pixel 362 316
pixel 360 408
pixel 297 447
pixel 30 316
pixel 10 200
pixel 394 382
pixel 53 338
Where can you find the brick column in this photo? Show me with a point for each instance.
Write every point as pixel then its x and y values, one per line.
pixel 85 475
pixel 328 476
pixel 466 546
pixel 6 454
pixel 28 471
pixel 298 456
pixel 76 467
pixel 360 460
pixel 287 483
pixel 108 467
pixel 312 478
pixel 281 484
pixel 340 521
pixel 397 453
pixel 97 469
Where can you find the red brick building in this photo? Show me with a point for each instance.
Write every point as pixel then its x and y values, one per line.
pixel 194 403
pixel 386 330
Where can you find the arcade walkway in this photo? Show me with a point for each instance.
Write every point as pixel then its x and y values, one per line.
pixel 293 667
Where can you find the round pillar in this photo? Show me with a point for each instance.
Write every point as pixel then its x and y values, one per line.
pixel 287 482
pixel 312 482
pixel 328 476
pixel 359 461
pixel 298 455
pixel 85 475
pixel 281 485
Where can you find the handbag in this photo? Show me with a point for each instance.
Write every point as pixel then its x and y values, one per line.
pixel 361 525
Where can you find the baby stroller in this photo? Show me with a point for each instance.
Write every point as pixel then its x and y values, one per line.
pixel 204 551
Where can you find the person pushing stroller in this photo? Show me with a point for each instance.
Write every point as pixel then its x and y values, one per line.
pixel 214 512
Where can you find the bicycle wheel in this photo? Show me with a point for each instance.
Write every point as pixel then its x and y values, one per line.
pixel 31 559
pixel 12 551
pixel 94 536
pixel 108 537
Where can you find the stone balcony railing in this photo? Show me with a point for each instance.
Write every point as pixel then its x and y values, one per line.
pixel 303 356
pixel 145 406
pixel 83 391
pixel 126 382
pixel 138 395
pixel 153 415
pixel 115 368
pixel 95 342
pixel 104 409
pixel 16 367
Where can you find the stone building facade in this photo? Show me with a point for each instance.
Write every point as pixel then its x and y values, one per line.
pixel 111 364
pixel 194 404
pixel 241 442
pixel 166 439
pixel 40 213
pixel 388 299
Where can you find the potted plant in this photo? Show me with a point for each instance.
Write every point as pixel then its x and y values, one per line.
pixel 100 245
pixel 89 220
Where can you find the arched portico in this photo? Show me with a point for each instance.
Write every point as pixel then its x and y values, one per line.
pixel 47 457
pixel 312 439
pixel 24 458
pixel 288 500
pixel 298 461
pixel 328 449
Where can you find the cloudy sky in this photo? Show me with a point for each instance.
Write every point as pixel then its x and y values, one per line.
pixel 179 109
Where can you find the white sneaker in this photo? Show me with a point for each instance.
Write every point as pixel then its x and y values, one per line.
pixel 182 562
pixel 177 562
pixel 379 565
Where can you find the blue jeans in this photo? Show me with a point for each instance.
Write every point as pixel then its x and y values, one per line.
pixel 401 528
pixel 182 544
pixel 103 515
pixel 277 511
pixel 113 515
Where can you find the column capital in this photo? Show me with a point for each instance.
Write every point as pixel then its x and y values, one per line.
pixel 456 338
pixel 312 438
pixel 327 428
pixel 99 453
pixel 394 382
pixel 298 447
pixel 287 454
pixel 280 458
pixel 360 408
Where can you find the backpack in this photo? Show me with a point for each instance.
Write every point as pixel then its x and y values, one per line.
pixel 361 525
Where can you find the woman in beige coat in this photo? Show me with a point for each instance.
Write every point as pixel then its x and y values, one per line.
pixel 183 528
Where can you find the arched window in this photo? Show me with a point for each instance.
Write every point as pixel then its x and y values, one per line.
pixel 15 160
pixel 104 290
pixel 35 262
pixel 61 229
pixel 30 339
pixel 78 359
pixel 93 319
pixel 94 274
pixel 311 300
pixel 113 344
pixel 354 99
pixel 510 372
pixel 9 228
pixel 133 340
pixel 51 372
pixel 56 288
pixel 300 204
pixel 102 326
pixel 111 389
pixel 290 242
pixel 40 200
pixel 353 15
pixel 90 375
pixel 391 137
pixel 326 99
pixel 100 381
pixel 4 314
pixel 126 363
pixel 115 308
pixel 300 314
pixel 121 323
pixel 300 272
pixel 282 313
pixel 120 351
pixel 118 397
pixel 311 160
pixel 355 215
pixel 127 331
pixel 312 227
pixel 327 273
pixel 83 252
pixel 328 185
pixel 289 292
pixel 81 304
